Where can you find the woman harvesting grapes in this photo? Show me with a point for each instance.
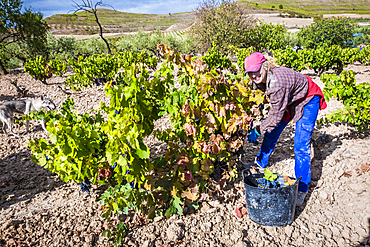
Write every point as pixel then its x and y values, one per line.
pixel 293 96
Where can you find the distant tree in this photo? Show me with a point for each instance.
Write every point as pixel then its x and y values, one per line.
pixel 267 36
pixel 281 6
pixel 24 28
pixel 333 31
pixel 222 22
pixel 63 48
pixel 90 7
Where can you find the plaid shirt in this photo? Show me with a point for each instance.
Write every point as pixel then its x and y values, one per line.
pixel 285 88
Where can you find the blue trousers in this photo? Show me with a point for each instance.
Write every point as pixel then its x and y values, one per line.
pixel 302 140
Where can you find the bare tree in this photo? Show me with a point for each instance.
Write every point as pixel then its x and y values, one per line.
pixel 90 7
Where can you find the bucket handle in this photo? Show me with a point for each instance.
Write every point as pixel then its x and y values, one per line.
pixel 248 174
pixel 298 180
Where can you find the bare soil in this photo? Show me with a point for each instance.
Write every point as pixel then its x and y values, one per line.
pixel 38 209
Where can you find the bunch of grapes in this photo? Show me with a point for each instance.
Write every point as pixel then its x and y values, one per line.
pixel 85 186
pixel 266 184
pixel 277 182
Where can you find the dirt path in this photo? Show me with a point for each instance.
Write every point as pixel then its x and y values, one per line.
pixel 37 209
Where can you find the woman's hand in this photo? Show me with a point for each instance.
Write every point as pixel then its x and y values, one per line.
pixel 253 136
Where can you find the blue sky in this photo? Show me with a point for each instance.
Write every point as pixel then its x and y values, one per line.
pixel 51 7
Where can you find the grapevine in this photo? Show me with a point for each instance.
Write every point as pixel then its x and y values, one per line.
pixel 210 113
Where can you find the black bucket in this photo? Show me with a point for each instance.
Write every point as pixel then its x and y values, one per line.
pixel 269 207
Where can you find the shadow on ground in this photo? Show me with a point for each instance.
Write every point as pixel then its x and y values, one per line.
pixel 21 179
pixel 321 151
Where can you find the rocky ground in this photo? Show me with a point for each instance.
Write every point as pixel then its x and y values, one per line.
pixel 38 209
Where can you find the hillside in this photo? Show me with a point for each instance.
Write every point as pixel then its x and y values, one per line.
pixel 119 22
pixel 114 21
pixel 320 7
pixel 310 8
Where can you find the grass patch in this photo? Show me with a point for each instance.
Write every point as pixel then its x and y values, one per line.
pixel 310 8
pixel 113 17
pixel 363 20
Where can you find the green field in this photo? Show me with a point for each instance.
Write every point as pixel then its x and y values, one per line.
pixel 311 8
pixel 117 19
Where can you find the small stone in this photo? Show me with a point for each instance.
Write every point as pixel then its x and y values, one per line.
pixel 147 243
pixel 9 197
pixel 236 235
pixel 218 219
pixel 305 228
pixel 158 218
pixel 173 217
pixel 206 227
pixel 325 193
pixel 205 207
pixel 175 232
pixel 288 230
pixel 25 202
pixel 131 243
pixel 241 244
pixel 358 188
pixel 319 183
pixel 151 237
pixel 345 233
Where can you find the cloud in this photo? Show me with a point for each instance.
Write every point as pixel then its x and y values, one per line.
pixel 52 7
pixel 163 7
pixel 49 7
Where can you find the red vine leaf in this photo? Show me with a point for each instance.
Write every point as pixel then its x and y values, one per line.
pixel 108 173
pixel 186 107
pixel 206 149
pixel 183 160
pixel 190 129
pixel 238 213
